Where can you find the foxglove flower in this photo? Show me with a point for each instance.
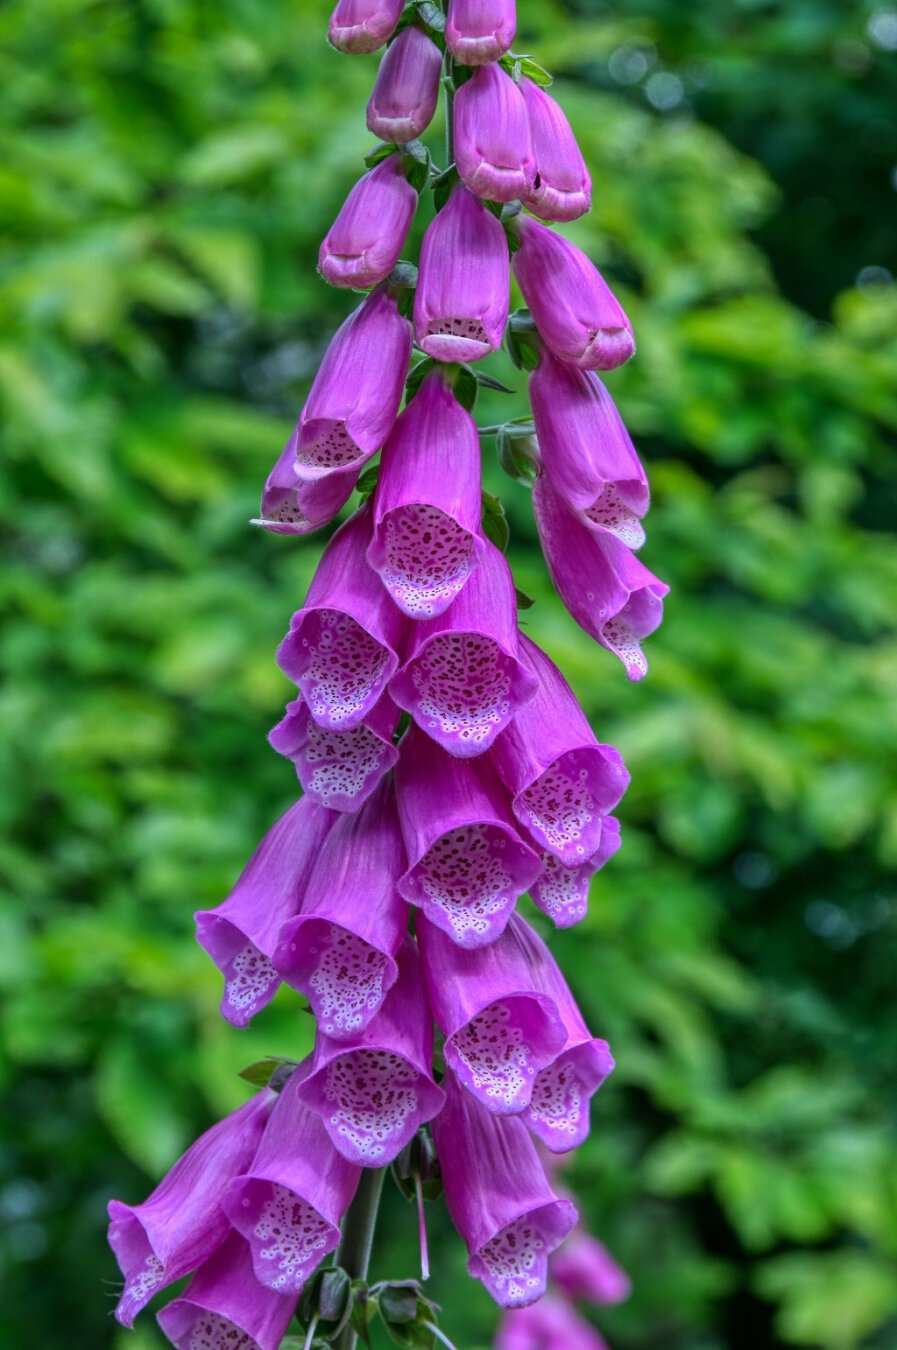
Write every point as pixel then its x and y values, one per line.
pixel 338 769
pixel 493 148
pixel 499 1197
pixel 406 90
pixel 241 934
pixel 462 679
pixel 500 1028
pixel 467 864
pixel 375 1091
pixel 363 244
pixel 586 451
pixel 563 188
pixel 550 1324
pixel 341 950
pixel 463 287
pixel 225 1308
pixel 182 1222
pixel 289 1203
pixel 363 25
pixel 609 593
pixel 584 1270
pixel 341 647
pixel 354 398
pixel 562 781
pixel 293 505
pixel 577 314
pixel 562 892
pixel 426 539
pixel 477 31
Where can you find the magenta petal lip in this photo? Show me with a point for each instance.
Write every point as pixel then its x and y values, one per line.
pixel 338 769
pixel 561 891
pixel 360 26
pixel 558 1110
pixel 479 31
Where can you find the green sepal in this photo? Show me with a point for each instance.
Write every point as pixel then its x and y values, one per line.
pixel 519 66
pixel 443 185
pixel 518 451
pixel 329 1295
pixel 362 1309
pixel 381 152
pixel 263 1071
pixel 432 15
pixel 495 522
pixel 416 165
pixel 486 381
pixel 522 340
pixel 524 601
pixel 367 482
pixel 416 376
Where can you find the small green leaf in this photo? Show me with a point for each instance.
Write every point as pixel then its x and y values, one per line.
pixel 518 452
pixel 431 15
pixel 379 153
pixel 443 185
pixel 416 377
pixel 524 601
pixel 490 382
pixel 533 71
pixel 367 482
pixel 416 164
pixel 465 387
pixel 495 522
pixel 262 1071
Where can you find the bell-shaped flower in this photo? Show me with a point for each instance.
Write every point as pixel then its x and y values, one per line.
pixel 609 593
pixel 363 244
pixel 562 892
pixel 550 1324
pixel 467 864
pixel 426 539
pixel 355 396
pixel 563 188
pixel 585 1271
pixel 338 769
pixel 462 679
pixel 374 1092
pixel 341 647
pixel 225 1308
pixel 586 451
pixel 561 779
pixel 363 25
pixel 493 147
pixel 478 31
pixel 500 1028
pixel 294 505
pixel 406 90
pixel 242 933
pixel 182 1222
pixel 499 1198
pixel 578 316
pixel 288 1205
pixel 463 285
pixel 341 950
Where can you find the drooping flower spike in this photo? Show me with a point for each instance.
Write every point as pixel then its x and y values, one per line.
pixel 462 679
pixel 499 1198
pixel 342 646
pixel 363 244
pixel 563 187
pixel 288 1205
pixel 466 862
pixel 561 892
pixel 426 539
pixel 586 450
pixel 550 1324
pixel 338 769
pixel 363 25
pixel 182 1223
pixel 375 1091
pixel 562 780
pixel 500 1028
pixel 341 950
pixel 478 31
pixel 584 1270
pixel 354 399
pixel 493 146
pixel 609 593
pixel 463 287
pixel 242 933
pixel 294 505
pixel 406 90
pixel 578 316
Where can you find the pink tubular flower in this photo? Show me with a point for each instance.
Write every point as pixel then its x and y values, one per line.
pixel 289 1203
pixel 293 505
pixel 363 244
pixel 363 25
pixel 493 149
pixel 499 1197
pixel 462 679
pixel 241 934
pixel 341 647
pixel 500 1028
pixel 550 1324
pixel 182 1222
pixel 586 451
pixel 338 769
pixel 562 781
pixel 584 1269
pixel 461 301
pixel 374 1092
pixel 341 950
pixel 426 539
pixel 467 864
pixel 563 188
pixel 562 892
pixel 406 90
pixel 355 396
pixel 225 1308
pixel 609 593
pixel 477 31
pixel 577 314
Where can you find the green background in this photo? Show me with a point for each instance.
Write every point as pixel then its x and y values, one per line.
pixel 167 169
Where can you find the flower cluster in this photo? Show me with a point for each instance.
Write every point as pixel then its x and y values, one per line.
pixel 445 763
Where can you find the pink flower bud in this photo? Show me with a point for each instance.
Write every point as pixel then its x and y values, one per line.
pixel 585 1269
pixel 363 244
pixel 563 188
pixel 493 147
pixel 363 25
pixel 477 31
pixel 406 90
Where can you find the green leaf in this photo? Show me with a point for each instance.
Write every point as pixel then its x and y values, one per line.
pixel 432 15
pixel 262 1071
pixel 367 481
pixel 495 522
pixel 381 152
pixel 487 381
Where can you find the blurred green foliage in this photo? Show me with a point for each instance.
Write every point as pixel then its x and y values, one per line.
pixel 167 168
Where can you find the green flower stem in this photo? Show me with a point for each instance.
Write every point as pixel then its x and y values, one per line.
pixel 354 1253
